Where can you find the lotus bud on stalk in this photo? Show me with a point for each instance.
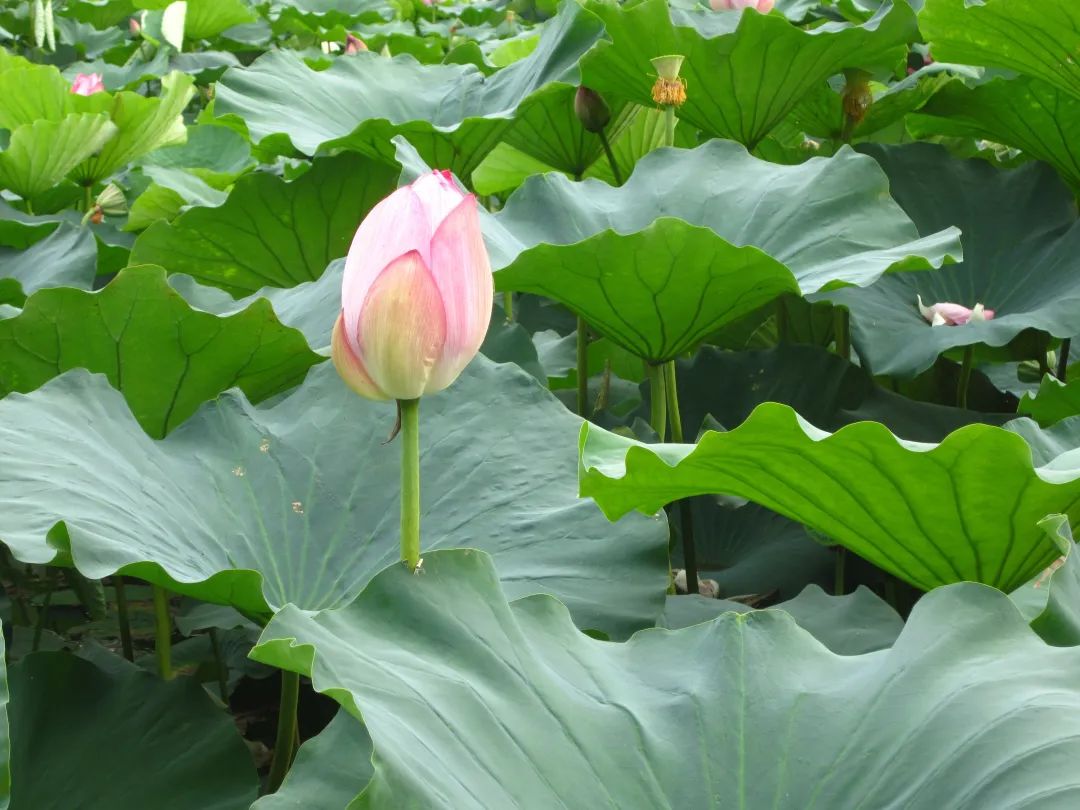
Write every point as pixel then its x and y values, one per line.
pixel 110 202
pixel 415 304
pixel 591 110
pixel 134 26
pixel 760 6
pixel 86 84
pixel 856 101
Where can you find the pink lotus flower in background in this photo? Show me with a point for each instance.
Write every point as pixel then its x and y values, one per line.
pixel 762 6
pixel 86 84
pixel 417 292
pixel 428 2
pixel 353 44
pixel 946 314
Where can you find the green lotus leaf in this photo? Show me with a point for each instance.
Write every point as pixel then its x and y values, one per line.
pixel 739 233
pixel 743 711
pixel 1021 248
pixel 329 771
pixel 165 357
pixel 33 93
pixel 964 509
pixel 1026 113
pixel 216 154
pixel 657 293
pixel 295 500
pixel 65 258
pixel 853 624
pixel 144 124
pixel 40 155
pixel 121 738
pixel 452 114
pixel 744 72
pixel 268 231
pixel 1040 38
pixel 1053 401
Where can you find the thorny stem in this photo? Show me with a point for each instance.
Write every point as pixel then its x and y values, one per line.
pixel 1063 359
pixel 841 565
pixel 657 401
pixel 842 332
pixel 610 157
pixel 965 377
pixel 285 742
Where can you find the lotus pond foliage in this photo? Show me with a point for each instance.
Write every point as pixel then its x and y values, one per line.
pixel 539 404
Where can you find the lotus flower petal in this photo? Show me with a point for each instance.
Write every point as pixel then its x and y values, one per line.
pixel 402 328
pixel 86 84
pixel 460 267
pixel 349 366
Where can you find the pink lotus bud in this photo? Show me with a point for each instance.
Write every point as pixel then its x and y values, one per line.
pixel 353 44
pixel 429 2
pixel 591 109
pixel 946 314
pixel 416 297
pixel 86 84
pixel 762 6
pixel 135 27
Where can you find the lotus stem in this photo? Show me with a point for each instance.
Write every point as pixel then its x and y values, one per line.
pixel 88 199
pixel 1063 359
pixel 783 325
pixel 669 125
pixel 965 377
pixel 162 633
pixel 285 742
pixel 841 565
pixel 410 481
pixel 508 305
pixel 582 368
pixel 610 157
pixel 657 401
pixel 686 516
pixel 842 332
pixel 220 665
pixel 43 614
pixel 122 618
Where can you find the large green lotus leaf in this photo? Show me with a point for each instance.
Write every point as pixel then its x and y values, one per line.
pixel 143 125
pixel 271 232
pixel 216 154
pixel 297 500
pixel 1051 601
pixel 123 738
pixel 452 114
pixel 1021 259
pixel 855 623
pixel 829 220
pixel 329 771
pixel 65 258
pixel 657 293
pixel 311 307
pixel 207 18
pixel 964 509
pixel 1053 401
pixel 32 93
pixel 826 390
pixel 969 706
pixel 165 357
pixel 1029 114
pixel 41 154
pixel 1040 38
pixel 744 72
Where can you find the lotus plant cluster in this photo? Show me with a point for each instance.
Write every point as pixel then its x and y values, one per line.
pixel 579 404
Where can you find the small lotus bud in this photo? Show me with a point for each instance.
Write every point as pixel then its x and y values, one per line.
pixel 670 88
pixel 111 201
pixel 591 109
pixel 134 26
pixel 353 44
pixel 86 84
pixel 386 50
